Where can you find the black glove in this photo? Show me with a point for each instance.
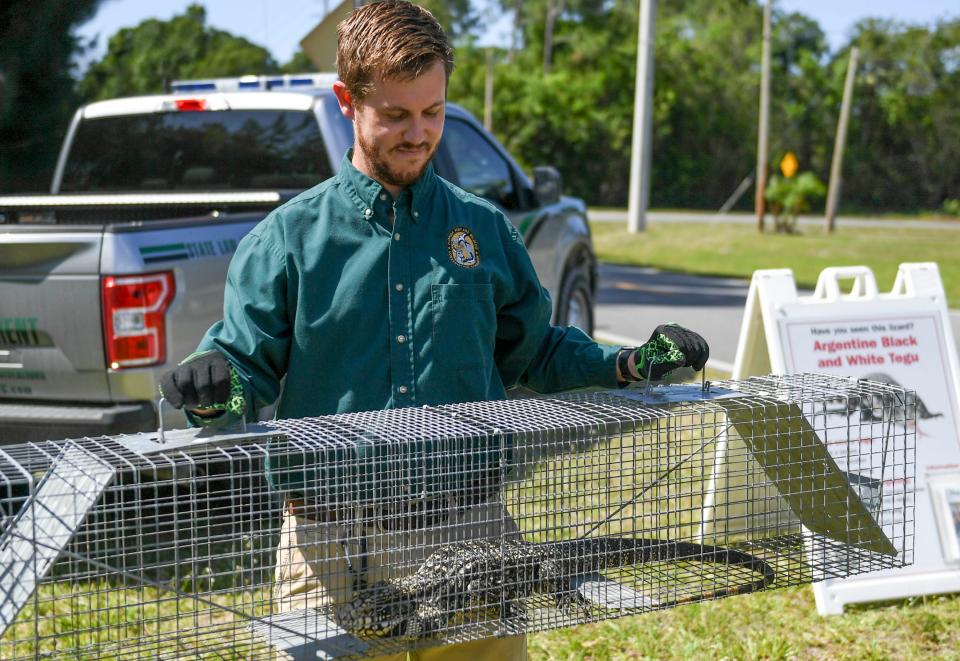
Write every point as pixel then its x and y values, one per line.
pixel 200 381
pixel 671 346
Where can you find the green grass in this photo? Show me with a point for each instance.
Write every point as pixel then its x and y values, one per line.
pixel 927 214
pixel 734 250
pixel 782 624
pixel 103 620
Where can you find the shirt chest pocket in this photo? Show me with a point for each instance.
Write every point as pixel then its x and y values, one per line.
pixel 464 325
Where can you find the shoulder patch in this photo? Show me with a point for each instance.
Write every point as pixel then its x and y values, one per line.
pixel 462 248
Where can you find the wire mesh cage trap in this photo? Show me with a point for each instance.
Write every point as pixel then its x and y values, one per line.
pixel 372 533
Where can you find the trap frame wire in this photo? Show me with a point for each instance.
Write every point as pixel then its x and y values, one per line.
pixel 372 533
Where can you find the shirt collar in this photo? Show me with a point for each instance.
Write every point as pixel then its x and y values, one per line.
pixel 365 192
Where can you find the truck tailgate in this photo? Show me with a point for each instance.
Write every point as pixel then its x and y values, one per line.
pixel 51 331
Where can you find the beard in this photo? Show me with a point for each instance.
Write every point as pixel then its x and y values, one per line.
pixel 382 170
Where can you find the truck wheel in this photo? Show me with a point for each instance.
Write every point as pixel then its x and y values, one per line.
pixel 575 307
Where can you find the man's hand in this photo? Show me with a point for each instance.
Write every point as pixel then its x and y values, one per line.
pixel 201 381
pixel 671 346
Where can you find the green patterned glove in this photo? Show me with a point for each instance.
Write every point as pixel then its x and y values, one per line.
pixel 671 346
pixel 204 380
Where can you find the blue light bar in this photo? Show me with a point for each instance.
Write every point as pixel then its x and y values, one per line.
pixel 300 81
pixel 188 86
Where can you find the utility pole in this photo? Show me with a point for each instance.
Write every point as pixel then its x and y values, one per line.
pixel 641 150
pixel 759 203
pixel 488 93
pixel 836 167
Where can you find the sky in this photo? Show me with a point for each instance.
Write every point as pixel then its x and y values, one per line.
pixel 279 25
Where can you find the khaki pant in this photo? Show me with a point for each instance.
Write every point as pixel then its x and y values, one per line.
pixel 312 568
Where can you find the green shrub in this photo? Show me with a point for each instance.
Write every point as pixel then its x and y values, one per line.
pixel 951 207
pixel 788 198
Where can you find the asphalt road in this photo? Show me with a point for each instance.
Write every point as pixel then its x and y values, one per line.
pixel 632 301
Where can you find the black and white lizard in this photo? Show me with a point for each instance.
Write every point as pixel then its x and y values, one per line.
pixel 484 576
pixel 874 407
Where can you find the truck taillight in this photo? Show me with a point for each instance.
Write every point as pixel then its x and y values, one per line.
pixel 134 318
pixel 191 105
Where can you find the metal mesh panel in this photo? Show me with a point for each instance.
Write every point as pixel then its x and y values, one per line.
pixel 371 533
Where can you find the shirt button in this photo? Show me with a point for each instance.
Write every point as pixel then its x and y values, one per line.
pixel 399 286
pixel 401 338
pixel 383 196
pixel 403 390
pixel 367 213
pixel 416 214
pixel 396 237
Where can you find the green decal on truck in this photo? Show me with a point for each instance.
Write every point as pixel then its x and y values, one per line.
pixel 21 332
pixel 23 375
pixel 170 252
pixel 164 253
pixel 16 389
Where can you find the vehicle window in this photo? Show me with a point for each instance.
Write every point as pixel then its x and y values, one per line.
pixel 220 150
pixel 481 170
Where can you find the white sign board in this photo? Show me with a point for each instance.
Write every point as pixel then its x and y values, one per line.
pixel 902 337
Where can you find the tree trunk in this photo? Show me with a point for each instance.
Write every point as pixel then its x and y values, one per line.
pixel 554 9
pixel 519 21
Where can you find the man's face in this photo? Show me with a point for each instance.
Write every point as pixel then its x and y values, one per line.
pixel 397 126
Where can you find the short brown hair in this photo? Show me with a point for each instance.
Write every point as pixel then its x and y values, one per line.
pixel 390 39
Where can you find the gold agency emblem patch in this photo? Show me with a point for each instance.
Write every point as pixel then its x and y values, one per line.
pixel 462 248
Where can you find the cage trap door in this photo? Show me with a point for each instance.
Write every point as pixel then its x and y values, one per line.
pixel 46 523
pixel 798 464
pixel 772 476
pixel 740 503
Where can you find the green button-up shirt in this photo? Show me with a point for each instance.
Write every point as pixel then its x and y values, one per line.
pixel 364 303
pixel 441 304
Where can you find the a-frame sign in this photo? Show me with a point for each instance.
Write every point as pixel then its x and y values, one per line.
pixel 901 336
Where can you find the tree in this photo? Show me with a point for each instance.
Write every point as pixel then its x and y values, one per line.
pixel 805 99
pixel 904 142
pixel 566 96
pixel 573 118
pixel 299 63
pixel 146 58
pixel 705 104
pixel 37 46
pixel 537 23
pixel 458 17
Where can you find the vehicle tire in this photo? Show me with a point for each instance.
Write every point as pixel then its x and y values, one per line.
pixel 575 307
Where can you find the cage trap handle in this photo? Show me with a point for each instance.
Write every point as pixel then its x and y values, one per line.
pixel 704 384
pixel 161 430
pixel 160 403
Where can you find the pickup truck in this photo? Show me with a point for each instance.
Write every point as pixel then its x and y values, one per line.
pixel 114 276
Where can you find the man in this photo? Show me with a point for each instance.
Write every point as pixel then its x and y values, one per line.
pixel 384 287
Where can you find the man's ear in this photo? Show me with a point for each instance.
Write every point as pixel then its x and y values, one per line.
pixel 344 98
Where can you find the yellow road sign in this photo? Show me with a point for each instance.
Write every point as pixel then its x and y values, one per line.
pixel 789 164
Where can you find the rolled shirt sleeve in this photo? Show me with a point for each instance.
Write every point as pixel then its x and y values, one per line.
pixel 254 334
pixel 529 350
